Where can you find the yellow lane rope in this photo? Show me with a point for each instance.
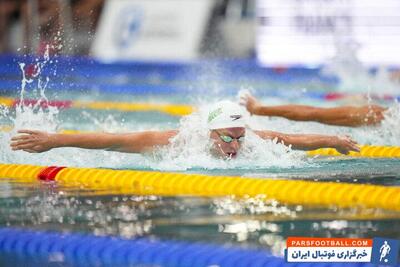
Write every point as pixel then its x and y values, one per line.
pixel 366 152
pixel 176 110
pixel 7 101
pixel 178 184
pixel 6 128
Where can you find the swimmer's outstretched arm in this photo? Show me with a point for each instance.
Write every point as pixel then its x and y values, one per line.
pixel 342 144
pixel 351 116
pixel 139 142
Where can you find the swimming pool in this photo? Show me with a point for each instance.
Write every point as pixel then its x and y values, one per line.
pixel 250 222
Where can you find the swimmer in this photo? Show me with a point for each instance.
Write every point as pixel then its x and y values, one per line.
pixel 350 116
pixel 226 122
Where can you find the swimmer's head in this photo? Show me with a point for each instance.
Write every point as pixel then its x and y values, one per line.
pixel 227 141
pixel 226 114
pixel 227 124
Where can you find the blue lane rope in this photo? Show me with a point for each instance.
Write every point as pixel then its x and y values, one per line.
pixel 89 250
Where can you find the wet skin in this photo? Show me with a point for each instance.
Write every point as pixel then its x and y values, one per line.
pixel 224 149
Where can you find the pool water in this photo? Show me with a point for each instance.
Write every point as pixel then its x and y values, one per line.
pixel 248 222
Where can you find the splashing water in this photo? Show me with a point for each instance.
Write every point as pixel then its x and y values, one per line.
pixel 107 124
pixel 4 112
pixel 40 116
pixel 34 116
pixel 191 149
pixel 387 133
pixel 354 76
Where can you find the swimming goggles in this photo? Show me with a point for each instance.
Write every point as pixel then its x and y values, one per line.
pixel 229 139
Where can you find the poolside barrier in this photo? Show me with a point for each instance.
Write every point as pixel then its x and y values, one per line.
pixel 89 250
pixel 297 192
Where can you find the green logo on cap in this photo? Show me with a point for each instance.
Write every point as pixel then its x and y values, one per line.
pixel 214 114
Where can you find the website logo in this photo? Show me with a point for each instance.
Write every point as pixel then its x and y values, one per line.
pixel 303 249
pixel 385 251
pixel 381 251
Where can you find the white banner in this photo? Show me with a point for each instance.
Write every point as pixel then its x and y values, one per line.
pixel 166 30
pixel 311 31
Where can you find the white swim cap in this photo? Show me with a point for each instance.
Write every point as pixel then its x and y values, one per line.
pixel 226 114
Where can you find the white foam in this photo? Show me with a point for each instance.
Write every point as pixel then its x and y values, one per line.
pixel 191 149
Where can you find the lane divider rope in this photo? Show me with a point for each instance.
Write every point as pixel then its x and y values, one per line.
pixel 49 173
pixel 78 249
pixel 366 151
pixel 297 192
pixel 175 110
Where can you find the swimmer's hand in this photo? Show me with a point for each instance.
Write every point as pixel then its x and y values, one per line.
pixel 351 116
pixel 32 141
pixel 137 142
pixel 366 115
pixel 344 144
pixel 250 102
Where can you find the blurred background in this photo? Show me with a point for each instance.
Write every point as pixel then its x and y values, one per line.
pixel 276 32
pixel 26 26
